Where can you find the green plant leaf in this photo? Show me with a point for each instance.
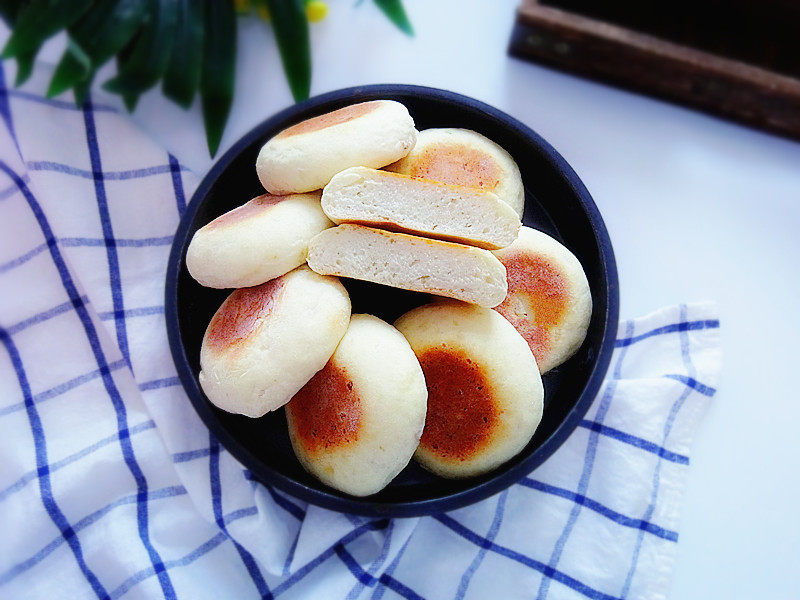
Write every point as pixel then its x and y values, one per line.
pixel 394 10
pixel 107 28
pixel 182 76
pixel 74 66
pixel 219 68
pixel 9 10
pixel 291 33
pixel 81 89
pixel 25 66
pixel 147 61
pixel 39 20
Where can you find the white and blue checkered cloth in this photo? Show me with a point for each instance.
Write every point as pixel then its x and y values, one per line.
pixel 110 486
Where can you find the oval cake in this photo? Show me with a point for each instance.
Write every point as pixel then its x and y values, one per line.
pixel 356 424
pixel 265 342
pixel 548 299
pixel 305 156
pixel 485 393
pixel 256 242
pixel 467 158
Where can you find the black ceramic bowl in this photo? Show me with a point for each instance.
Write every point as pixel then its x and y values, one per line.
pixel 555 201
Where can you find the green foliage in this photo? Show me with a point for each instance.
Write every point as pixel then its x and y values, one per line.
pixel 188 45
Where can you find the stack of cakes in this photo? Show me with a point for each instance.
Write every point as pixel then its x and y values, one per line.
pixel 455 383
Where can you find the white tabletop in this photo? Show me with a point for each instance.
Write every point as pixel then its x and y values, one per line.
pixel 697 209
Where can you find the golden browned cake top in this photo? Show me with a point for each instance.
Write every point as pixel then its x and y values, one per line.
pixel 457 164
pixel 326 412
pixel 462 411
pixel 537 299
pixel 337 117
pixel 242 314
pixel 255 207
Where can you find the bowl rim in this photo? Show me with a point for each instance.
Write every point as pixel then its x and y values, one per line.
pixel 364 506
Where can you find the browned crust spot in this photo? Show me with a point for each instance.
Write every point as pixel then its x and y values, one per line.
pixel 242 314
pixel 537 299
pixel 326 412
pixel 462 410
pixel 457 164
pixel 255 207
pixel 337 117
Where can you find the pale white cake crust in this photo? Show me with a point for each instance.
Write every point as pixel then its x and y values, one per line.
pixel 262 356
pixel 306 156
pixel 254 243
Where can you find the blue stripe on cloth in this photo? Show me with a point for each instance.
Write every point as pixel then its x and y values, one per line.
pixel 281 501
pixel 601 509
pixel 638 442
pixel 12 189
pixel 108 230
pixel 162 493
pixel 694 384
pixel 57 103
pixel 65 387
pixel 157 384
pixel 190 455
pixel 46 165
pixel 676 407
pixel 165 240
pixel 588 465
pixel 216 503
pixel 494 529
pixel 185 560
pixel 298 575
pixel 57 310
pixel 105 373
pixel 399 588
pixel 381 589
pixel 177 184
pixel 352 564
pixel 21 260
pixel 31 475
pixel 674 328
pixel 548 571
pixel 68 534
pixel 142 311
pixel 240 514
pixel 374 566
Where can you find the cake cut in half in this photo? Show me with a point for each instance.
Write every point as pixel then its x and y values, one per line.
pixel 420 206
pixel 410 262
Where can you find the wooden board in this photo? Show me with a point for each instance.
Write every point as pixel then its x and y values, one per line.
pixel 713 83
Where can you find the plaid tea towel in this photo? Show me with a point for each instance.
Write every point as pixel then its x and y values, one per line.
pixel 111 487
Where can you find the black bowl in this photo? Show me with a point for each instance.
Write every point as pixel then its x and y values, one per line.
pixel 555 202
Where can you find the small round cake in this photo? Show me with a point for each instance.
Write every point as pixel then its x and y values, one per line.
pixel 548 299
pixel 485 394
pixel 256 242
pixel 307 155
pixel 356 424
pixel 265 342
pixel 464 157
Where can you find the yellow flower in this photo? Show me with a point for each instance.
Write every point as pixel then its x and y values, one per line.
pixel 263 12
pixel 316 10
pixel 242 6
